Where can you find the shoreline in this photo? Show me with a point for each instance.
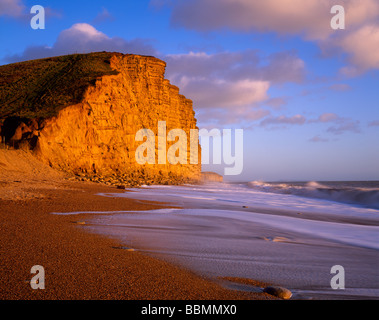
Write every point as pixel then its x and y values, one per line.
pixel 80 265
pixel 219 234
pixel 83 264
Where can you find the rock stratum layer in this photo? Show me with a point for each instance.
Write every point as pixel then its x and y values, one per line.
pixel 80 114
pixel 209 176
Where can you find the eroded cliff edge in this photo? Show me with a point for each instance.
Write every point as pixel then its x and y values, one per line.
pixel 80 114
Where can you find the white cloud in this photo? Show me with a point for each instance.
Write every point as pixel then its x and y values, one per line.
pixel 226 102
pixel 362 45
pixel 224 94
pixel 237 81
pixel 212 76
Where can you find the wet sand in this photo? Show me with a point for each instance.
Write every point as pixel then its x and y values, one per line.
pixel 78 264
pixel 221 233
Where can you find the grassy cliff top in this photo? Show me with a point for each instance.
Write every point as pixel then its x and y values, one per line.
pixel 40 88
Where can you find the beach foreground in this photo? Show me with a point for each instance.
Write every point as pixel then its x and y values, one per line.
pixel 80 265
pixel 220 241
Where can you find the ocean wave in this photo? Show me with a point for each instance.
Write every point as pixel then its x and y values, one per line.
pixel 364 196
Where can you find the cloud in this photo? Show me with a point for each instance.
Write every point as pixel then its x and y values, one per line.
pixel 285 16
pixel 276 103
pixel 340 124
pixel 103 16
pixel 279 67
pixel 362 46
pixel 318 139
pixel 225 94
pixel 218 117
pixel 226 102
pixel 294 120
pixel 283 67
pixel 12 8
pixel 16 9
pixel 309 19
pixel 340 87
pixel 345 126
pixel 238 81
pixel 374 123
pixel 326 117
pixel 84 38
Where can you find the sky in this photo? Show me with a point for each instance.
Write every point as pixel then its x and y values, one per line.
pixel 306 95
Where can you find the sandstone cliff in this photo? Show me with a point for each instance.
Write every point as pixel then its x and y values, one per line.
pixel 80 114
pixel 209 176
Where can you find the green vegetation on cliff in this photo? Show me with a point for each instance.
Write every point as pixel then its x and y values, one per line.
pixel 40 88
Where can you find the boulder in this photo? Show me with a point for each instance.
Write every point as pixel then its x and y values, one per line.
pixel 279 292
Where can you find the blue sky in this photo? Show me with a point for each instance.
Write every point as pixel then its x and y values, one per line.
pixel 306 95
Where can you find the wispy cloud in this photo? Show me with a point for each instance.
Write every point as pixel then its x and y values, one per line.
pixel 374 123
pixel 318 139
pixel 345 126
pixel 326 117
pixel 103 16
pixel 339 125
pixel 340 87
pixel 297 119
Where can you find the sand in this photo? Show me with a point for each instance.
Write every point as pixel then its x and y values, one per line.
pixel 79 264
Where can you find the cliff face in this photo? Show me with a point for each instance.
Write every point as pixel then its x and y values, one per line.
pixel 211 177
pixel 94 135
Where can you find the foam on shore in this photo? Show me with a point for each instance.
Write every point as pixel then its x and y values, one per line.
pixel 230 231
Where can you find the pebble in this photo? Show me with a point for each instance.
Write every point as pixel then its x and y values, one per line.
pixel 124 248
pixel 279 292
pixel 276 239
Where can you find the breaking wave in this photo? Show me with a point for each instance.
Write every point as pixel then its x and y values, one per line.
pixel 344 192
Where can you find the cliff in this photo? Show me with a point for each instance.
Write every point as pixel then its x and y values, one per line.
pixel 209 176
pixel 80 114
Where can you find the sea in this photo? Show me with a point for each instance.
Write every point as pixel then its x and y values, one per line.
pixel 364 193
pixel 290 234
